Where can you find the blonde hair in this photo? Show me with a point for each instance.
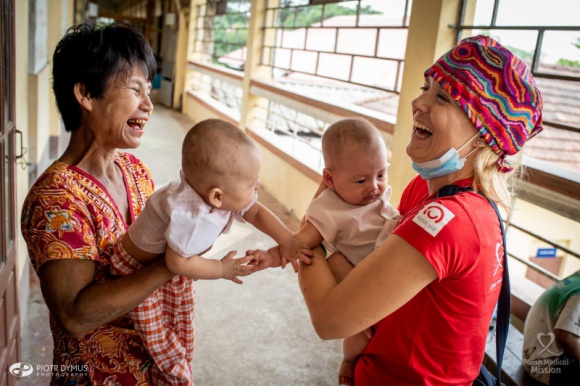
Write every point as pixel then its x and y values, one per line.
pixel 496 186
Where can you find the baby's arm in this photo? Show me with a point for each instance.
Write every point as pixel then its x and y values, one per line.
pixel 290 247
pixel 143 257
pixel 308 236
pixel 197 267
pixel 339 265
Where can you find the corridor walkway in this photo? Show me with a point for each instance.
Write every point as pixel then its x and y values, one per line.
pixel 258 333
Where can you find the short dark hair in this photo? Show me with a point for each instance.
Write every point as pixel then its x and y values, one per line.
pixel 93 55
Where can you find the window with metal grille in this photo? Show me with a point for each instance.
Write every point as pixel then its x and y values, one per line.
pixel 348 53
pixel 337 45
pixel 222 32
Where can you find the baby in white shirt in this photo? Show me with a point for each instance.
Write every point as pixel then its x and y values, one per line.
pixel 218 183
pixel 350 214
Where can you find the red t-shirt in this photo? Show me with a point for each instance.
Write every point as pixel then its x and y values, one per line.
pixel 438 337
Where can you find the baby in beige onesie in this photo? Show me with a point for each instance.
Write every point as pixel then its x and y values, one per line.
pixel 351 214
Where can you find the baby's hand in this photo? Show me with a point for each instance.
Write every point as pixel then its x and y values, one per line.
pixel 232 268
pixel 261 259
pixel 294 251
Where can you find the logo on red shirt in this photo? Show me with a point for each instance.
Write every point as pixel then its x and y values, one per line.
pixel 433 218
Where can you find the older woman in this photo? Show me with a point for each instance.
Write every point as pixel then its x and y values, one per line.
pixel 430 289
pixel 85 201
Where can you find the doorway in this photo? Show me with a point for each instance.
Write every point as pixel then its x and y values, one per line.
pixel 9 319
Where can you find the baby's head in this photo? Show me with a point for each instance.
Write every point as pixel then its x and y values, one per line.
pixel 221 163
pixel 355 159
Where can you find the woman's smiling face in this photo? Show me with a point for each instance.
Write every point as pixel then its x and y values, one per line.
pixel 438 124
pixel 117 120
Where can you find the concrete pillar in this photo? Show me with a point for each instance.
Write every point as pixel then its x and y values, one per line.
pixel 429 37
pixel 181 57
pixel 253 107
pixel 189 51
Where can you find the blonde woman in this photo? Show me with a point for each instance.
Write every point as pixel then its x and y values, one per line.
pixel 430 289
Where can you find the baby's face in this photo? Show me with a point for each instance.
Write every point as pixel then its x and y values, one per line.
pixel 360 178
pixel 239 193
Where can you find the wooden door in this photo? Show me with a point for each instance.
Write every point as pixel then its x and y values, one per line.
pixel 9 320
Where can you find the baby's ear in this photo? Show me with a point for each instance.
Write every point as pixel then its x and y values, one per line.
pixel 215 197
pixel 327 178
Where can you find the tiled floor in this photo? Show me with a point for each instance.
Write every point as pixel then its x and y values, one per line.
pixel 258 333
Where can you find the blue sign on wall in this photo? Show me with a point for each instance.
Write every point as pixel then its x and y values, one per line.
pixel 546 252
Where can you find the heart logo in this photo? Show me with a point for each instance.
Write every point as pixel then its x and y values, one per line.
pixel 546 347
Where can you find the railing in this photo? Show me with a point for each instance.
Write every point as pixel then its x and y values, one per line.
pixel 318 107
pixel 533 266
pixel 294 123
pixel 523 295
pixel 219 84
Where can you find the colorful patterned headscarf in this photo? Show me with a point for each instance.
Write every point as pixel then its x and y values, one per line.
pixel 495 89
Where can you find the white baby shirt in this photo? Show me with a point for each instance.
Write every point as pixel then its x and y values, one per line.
pixel 353 230
pixel 177 216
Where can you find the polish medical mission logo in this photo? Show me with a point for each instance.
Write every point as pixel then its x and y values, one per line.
pixel 21 369
pixel 546 347
pixel 433 218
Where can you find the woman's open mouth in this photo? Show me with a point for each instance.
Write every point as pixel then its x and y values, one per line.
pixel 137 124
pixel 420 130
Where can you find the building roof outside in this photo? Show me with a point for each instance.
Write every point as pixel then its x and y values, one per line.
pixel 561 97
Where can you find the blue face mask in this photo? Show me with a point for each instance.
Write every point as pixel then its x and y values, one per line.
pixel 446 164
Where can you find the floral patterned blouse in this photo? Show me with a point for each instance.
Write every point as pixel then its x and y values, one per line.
pixel 68 214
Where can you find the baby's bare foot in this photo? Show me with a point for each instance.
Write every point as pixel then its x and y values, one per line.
pixel 346 373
